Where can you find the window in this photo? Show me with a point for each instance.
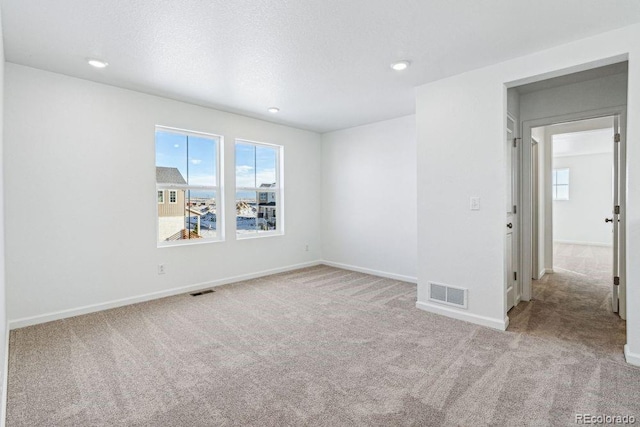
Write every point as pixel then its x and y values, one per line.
pixel 560 183
pixel 258 189
pixel 188 170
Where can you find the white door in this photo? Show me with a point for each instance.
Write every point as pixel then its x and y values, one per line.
pixel 619 184
pixel 511 241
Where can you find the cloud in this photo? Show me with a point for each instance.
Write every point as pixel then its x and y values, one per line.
pixel 266 176
pixel 176 145
pixel 243 169
pixel 196 161
pixel 247 177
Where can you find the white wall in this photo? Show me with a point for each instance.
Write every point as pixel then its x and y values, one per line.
pixel 581 218
pixel 369 198
pixel 3 304
pixel 83 154
pixel 603 92
pixel 460 128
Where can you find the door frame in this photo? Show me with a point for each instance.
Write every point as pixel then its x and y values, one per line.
pixel 535 207
pixel 525 171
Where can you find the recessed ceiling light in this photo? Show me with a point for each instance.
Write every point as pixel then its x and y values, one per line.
pixel 400 65
pixel 97 63
pixel 273 110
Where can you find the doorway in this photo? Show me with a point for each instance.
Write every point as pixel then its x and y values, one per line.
pixel 578 231
pixel 572 285
pixel 578 201
pixel 582 197
pixel 577 177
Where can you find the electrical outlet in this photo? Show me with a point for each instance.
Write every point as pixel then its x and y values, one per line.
pixel 161 269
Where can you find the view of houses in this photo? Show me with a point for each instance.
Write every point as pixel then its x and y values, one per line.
pixel 186 214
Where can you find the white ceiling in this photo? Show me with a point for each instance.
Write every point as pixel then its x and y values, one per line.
pixel 325 63
pixel 581 143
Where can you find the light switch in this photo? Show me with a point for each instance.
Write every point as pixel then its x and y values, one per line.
pixel 475 203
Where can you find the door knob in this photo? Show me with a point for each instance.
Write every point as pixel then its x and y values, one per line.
pixel 608 220
pixel 510 225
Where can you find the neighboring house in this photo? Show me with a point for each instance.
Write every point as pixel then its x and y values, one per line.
pixel 171 204
pixel 267 197
pixel 267 204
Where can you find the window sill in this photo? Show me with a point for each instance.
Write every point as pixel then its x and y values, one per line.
pixel 245 236
pixel 177 243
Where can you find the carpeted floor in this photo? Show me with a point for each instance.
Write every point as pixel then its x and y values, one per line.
pixel 573 304
pixel 318 346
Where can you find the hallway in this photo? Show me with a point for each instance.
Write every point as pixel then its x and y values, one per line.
pixel 573 304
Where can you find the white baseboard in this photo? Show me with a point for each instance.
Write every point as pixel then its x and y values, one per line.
pixel 572 242
pixel 394 276
pixel 63 314
pixel 542 273
pixel 500 324
pixel 5 379
pixel 548 270
pixel 631 358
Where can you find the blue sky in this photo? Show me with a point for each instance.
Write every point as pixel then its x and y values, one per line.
pixel 255 165
pixel 196 161
pixel 198 167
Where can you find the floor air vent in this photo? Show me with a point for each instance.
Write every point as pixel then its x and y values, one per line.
pixel 197 294
pixel 449 295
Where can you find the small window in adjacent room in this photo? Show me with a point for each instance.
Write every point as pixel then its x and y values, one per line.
pixel 188 173
pixel 258 189
pixel 560 182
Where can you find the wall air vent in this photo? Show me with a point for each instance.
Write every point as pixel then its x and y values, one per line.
pixel 448 295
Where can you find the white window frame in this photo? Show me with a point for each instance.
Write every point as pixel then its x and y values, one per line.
pixel 173 193
pixel 278 189
pixel 161 194
pixel 219 189
pixel 554 187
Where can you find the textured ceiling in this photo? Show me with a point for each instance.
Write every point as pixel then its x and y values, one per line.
pixel 325 64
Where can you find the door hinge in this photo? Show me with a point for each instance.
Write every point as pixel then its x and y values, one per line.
pixel 616 137
pixel 515 209
pixel 616 209
pixel 515 142
pixel 515 275
pixel 616 280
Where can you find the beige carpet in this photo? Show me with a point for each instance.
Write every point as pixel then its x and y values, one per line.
pixel 319 346
pixel 574 303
